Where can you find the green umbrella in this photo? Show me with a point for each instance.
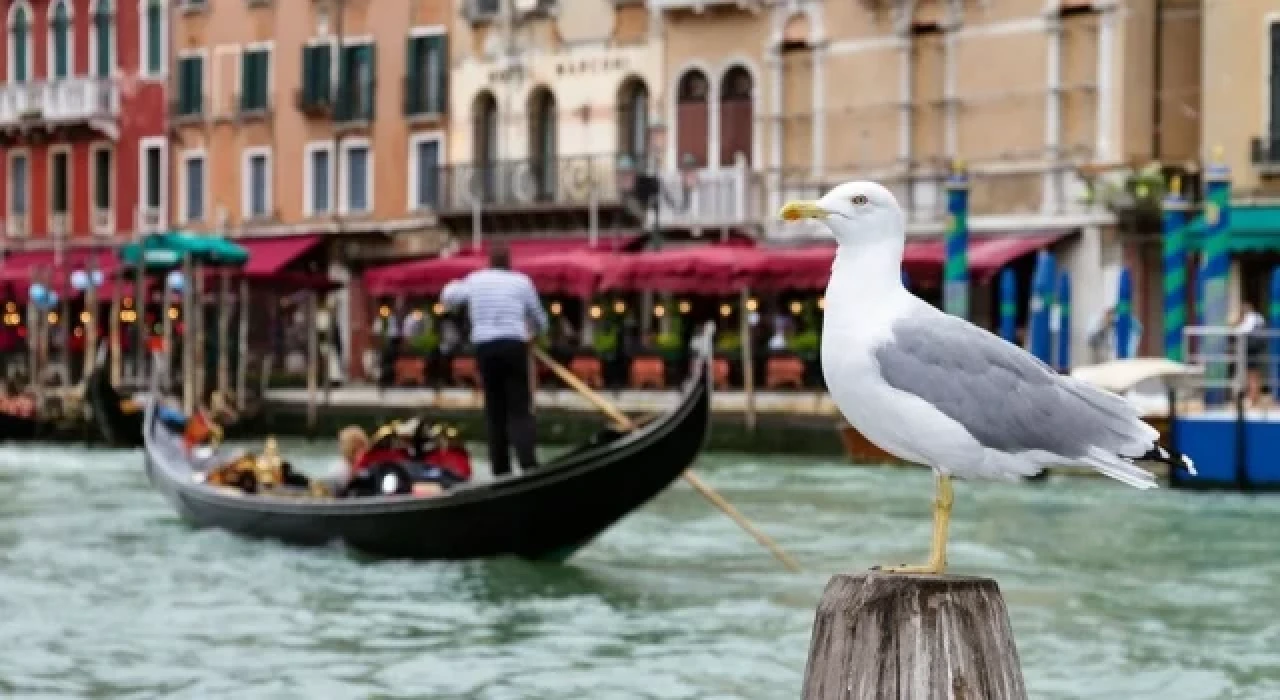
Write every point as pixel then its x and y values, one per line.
pixel 166 250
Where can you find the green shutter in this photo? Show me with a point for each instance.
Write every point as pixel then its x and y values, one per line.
pixel 442 77
pixel 323 74
pixel 60 67
pixel 20 31
pixel 102 25
pixel 154 27
pixel 371 88
pixel 413 93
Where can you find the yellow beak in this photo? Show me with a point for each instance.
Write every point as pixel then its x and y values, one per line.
pixel 797 210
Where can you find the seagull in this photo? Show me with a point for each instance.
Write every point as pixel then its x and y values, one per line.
pixel 936 390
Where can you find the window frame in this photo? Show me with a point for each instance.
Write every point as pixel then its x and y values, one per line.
pixel 28 44
pixel 308 178
pixel 331 80
pixel 10 180
pixel 63 150
pixel 268 48
pixel 440 33
pixel 201 54
pixel 113 49
pixel 51 46
pixel 144 21
pixel 94 149
pixel 161 144
pixel 354 42
pixel 246 184
pixel 184 185
pixel 344 201
pixel 415 140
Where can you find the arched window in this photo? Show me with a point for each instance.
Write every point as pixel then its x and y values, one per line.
pixel 19 43
pixel 736 116
pixel 633 119
pixel 542 142
pixel 692 117
pixel 101 41
pixel 485 143
pixel 59 40
pixel 153 43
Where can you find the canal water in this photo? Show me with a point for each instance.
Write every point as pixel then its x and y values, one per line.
pixel 1113 593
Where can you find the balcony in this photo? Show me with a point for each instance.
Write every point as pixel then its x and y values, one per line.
pixel 532 194
pixel 187 111
pixel 1265 154
pixel 313 104
pixel 87 103
pixel 710 199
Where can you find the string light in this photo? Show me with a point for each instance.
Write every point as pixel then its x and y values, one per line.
pixel 619 307
pixel 53 318
pixel 725 309
pixel 173 313
pixel 596 311
pixel 796 307
pixel 752 304
pixel 437 309
pixel 417 314
pixel 85 317
pixel 384 311
pixel 659 311
pixel 555 308
pixel 822 302
pixel 685 307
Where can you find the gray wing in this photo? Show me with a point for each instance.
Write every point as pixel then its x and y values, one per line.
pixel 1005 397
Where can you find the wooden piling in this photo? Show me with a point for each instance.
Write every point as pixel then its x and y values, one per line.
pixel 197 322
pixel 880 636
pixel 224 332
pixel 188 342
pixel 242 357
pixel 165 357
pixel 113 336
pixel 90 320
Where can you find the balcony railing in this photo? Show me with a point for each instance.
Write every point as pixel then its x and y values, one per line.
pixel 312 103
pixel 1265 154
pixel 517 184
pixel 60 101
pixel 724 198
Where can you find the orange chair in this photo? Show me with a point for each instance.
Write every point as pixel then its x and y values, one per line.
pixel 465 372
pixel 411 371
pixel 720 373
pixel 589 370
pixel 784 372
pixel 648 373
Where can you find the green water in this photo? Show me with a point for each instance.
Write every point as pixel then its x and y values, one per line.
pixel 1113 593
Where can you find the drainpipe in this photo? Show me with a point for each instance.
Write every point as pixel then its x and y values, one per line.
pixel 1157 78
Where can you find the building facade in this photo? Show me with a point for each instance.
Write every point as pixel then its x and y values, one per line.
pixel 313 116
pixel 317 115
pixel 1035 98
pixel 82 130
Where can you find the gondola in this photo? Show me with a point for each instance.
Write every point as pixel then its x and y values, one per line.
pixel 548 513
pixel 120 425
pixel 15 428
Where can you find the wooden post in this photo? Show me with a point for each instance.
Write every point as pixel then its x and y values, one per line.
pixel 313 363
pixel 33 345
pixel 188 344
pixel 113 336
pixel 196 321
pixel 166 335
pixel 224 332
pixel 91 320
pixel 879 635
pixel 748 363
pixel 64 338
pixel 140 323
pixel 242 357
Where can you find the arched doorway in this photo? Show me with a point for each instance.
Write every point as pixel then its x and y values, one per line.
pixel 542 142
pixel 736 115
pixel 633 120
pixel 484 130
pixel 692 117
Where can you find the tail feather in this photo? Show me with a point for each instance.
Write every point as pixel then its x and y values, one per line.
pixel 1120 469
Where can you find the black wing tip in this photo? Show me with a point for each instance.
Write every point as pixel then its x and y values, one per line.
pixel 1158 453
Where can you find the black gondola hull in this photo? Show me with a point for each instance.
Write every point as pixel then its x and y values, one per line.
pixel 113 423
pixel 546 513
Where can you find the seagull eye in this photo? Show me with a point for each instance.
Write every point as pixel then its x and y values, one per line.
pixel 859 200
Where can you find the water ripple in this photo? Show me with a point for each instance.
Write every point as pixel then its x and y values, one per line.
pixel 1113 593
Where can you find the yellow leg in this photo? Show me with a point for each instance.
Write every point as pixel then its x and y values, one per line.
pixel 941 518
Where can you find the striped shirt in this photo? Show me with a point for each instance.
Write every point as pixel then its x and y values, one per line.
pixel 501 304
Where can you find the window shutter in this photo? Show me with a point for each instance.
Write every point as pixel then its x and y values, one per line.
pixel 1273 129
pixel 442 77
pixel 372 89
pixel 413 89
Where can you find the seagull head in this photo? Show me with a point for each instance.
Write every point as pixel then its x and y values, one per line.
pixel 855 212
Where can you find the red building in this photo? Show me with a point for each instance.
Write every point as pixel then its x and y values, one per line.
pixel 82 121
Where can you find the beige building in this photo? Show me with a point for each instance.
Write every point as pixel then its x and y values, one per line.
pixel 1241 52
pixel 1033 96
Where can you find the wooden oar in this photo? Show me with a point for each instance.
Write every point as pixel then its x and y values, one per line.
pixel 694 480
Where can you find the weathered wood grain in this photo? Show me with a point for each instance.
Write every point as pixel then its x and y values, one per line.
pixel 880 636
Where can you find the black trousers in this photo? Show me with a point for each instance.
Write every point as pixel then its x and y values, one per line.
pixel 508 403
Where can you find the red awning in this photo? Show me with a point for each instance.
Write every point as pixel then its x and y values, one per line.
pixel 989 255
pixel 427 276
pixel 573 273
pixel 17 270
pixel 709 269
pixel 270 256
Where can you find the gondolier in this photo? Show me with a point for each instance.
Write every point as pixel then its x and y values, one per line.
pixel 503 305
